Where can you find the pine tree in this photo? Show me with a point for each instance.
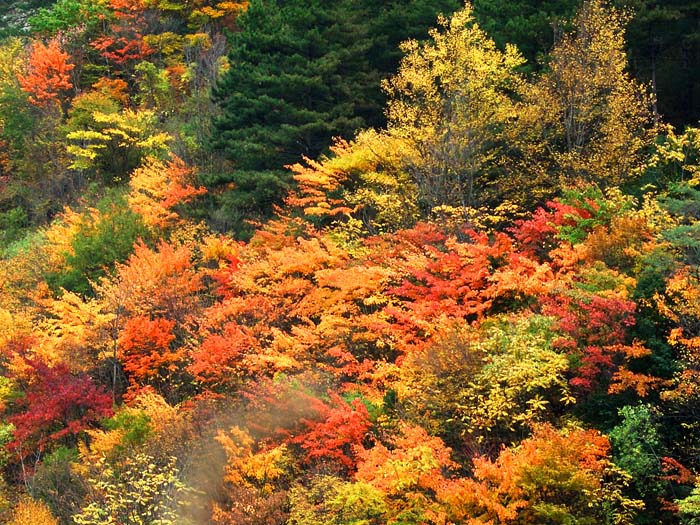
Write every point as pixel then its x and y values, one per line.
pixel 300 74
pixel 530 25
pixel 664 48
pixel 290 84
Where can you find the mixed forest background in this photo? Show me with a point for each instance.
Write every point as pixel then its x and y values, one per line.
pixel 349 262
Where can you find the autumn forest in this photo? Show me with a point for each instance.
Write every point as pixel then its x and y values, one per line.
pixel 348 262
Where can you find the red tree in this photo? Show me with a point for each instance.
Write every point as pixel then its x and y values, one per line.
pixel 48 73
pixel 57 406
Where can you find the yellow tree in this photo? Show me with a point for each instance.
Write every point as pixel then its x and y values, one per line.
pixel 158 187
pixel 554 476
pixel 586 118
pixel 30 511
pixel 448 103
pixel 111 140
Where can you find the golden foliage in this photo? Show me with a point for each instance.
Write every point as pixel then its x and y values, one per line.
pixel 160 282
pixel 158 187
pixel 32 512
pixel 77 331
pixel 446 105
pixel 593 120
pixel 251 469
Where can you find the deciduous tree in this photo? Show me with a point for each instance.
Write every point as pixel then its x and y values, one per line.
pixel 590 120
pixel 448 103
pixel 48 73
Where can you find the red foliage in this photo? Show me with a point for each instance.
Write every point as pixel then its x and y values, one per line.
pixel 57 405
pixel 597 329
pixel 124 41
pixel 444 278
pixel 675 472
pixel 451 278
pixel 329 431
pixel 48 73
pixel 224 276
pixel 536 236
pixel 336 430
pixel 219 360
pixel 122 49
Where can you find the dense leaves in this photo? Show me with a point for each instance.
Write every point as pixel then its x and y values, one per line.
pixel 482 310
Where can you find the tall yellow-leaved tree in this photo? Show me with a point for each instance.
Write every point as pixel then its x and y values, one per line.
pixel 449 103
pixel 586 118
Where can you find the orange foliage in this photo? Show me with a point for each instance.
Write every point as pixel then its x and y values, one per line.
pixel 77 332
pixel 223 12
pixel 156 283
pixel 251 474
pixel 124 41
pixel 415 462
pixel 145 348
pixel 681 305
pixel 620 244
pixel 157 296
pixel 158 187
pixel 316 182
pixel 32 512
pixel 48 73
pixel 123 7
pixel 114 88
pixel 220 360
pixel 302 301
pixel 563 469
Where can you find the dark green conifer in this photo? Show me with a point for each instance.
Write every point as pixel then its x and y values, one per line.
pixel 302 72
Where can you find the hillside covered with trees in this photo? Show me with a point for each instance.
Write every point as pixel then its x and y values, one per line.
pixel 349 263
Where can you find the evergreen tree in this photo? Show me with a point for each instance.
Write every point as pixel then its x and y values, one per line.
pixel 531 26
pixel 14 15
pixel 290 85
pixel 664 49
pixel 300 74
pixel 395 22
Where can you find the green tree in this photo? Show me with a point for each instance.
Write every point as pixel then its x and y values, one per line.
pixel 664 48
pixel 14 15
pixel 662 45
pixel 106 235
pixel 529 25
pixel 301 73
pixel 396 21
pixel 66 15
pixel 292 85
pixel 637 448
pixel 689 507
pixel 107 141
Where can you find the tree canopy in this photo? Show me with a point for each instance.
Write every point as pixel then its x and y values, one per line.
pixel 263 263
